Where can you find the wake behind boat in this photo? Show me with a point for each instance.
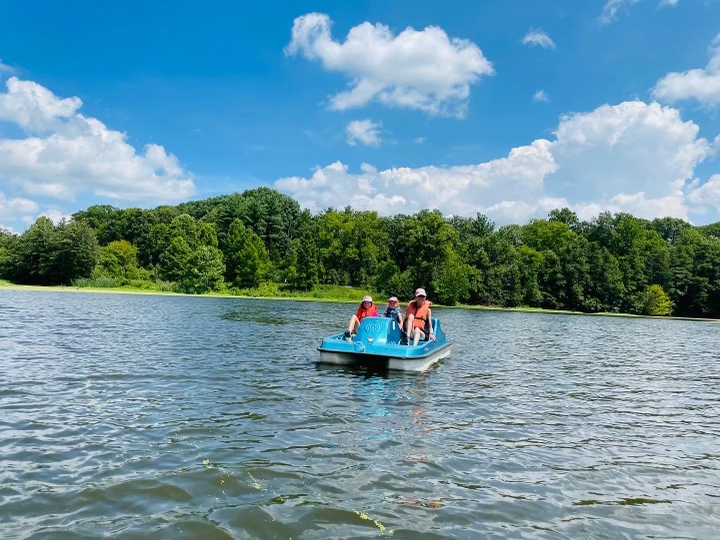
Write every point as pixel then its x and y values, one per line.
pixel 380 342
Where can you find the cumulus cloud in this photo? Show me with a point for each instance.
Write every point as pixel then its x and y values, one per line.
pixel 644 147
pixel 364 132
pixel 540 95
pixel 424 70
pixel 612 7
pixel 702 85
pixel 634 157
pixel 538 38
pixel 458 190
pixel 65 153
pixel 16 208
pixel 706 195
pixel 716 147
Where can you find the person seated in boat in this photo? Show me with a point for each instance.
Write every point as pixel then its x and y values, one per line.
pixel 366 309
pixel 418 318
pixel 393 310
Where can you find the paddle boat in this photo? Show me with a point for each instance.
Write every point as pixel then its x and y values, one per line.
pixel 380 342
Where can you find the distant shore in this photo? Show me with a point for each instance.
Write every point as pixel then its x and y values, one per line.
pixel 150 292
pixel 322 298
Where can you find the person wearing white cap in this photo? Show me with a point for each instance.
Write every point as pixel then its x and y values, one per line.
pixel 418 318
pixel 393 310
pixel 366 309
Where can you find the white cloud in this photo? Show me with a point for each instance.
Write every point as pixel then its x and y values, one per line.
pixel 458 190
pixel 715 149
pixel 633 157
pixel 706 195
pixel 65 153
pixel 540 95
pixel 16 208
pixel 538 38
pixel 419 140
pixel 612 7
pixel 55 215
pixel 700 84
pixel 4 68
pixel 638 205
pixel 632 146
pixel 364 132
pixel 424 70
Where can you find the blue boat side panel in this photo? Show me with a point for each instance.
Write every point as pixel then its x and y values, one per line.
pixel 380 336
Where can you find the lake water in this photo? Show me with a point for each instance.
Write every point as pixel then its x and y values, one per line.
pixel 178 417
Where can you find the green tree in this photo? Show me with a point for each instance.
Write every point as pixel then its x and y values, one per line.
pixel 33 257
pixel 203 271
pixel 308 266
pixel 119 259
pixel 8 242
pixel 75 252
pixel 452 280
pixel 253 261
pixel 154 245
pixel 246 257
pixel 605 289
pixel 530 262
pixel 568 217
pixel 174 261
pixel 655 301
pixel 100 218
pixel 184 226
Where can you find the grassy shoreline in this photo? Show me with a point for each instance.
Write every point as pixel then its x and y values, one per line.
pixel 320 296
pixel 305 297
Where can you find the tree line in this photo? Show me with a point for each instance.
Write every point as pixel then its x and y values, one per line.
pixel 612 263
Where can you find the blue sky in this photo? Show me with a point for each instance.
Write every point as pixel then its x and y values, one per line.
pixel 505 108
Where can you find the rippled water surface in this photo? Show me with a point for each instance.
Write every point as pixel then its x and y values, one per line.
pixel 176 417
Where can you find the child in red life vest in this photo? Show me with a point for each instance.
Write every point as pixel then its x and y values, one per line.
pixel 366 309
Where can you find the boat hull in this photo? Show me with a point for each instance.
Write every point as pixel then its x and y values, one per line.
pixel 387 362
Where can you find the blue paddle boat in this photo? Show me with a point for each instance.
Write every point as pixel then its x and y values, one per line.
pixel 380 342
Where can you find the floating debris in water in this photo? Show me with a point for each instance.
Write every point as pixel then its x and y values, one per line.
pixel 379 525
pixel 438 503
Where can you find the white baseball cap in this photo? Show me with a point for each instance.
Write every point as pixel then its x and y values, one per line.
pixel 420 292
pixel 367 298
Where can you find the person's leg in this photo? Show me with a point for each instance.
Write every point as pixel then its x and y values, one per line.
pixel 353 325
pixel 416 337
pixel 409 326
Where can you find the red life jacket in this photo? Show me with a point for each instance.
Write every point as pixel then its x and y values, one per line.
pixel 421 313
pixel 369 312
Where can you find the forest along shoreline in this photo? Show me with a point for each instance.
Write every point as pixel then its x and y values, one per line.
pixel 121 290
pixel 260 243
